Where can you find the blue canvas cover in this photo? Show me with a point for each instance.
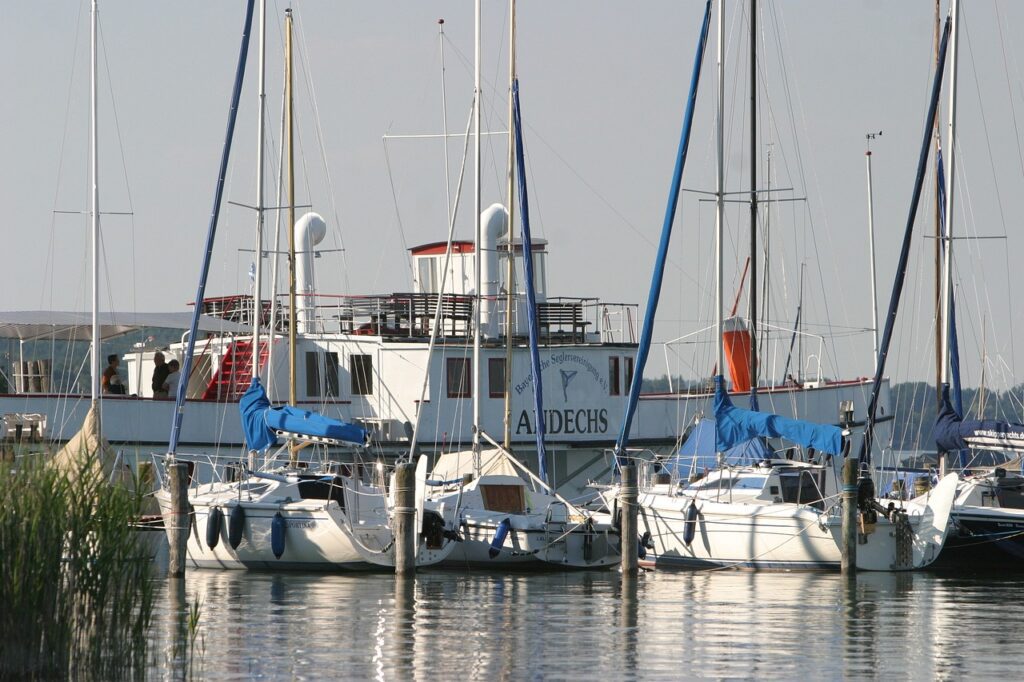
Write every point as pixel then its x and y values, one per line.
pixel 953 433
pixel 253 405
pixel 307 423
pixel 735 426
pixel 698 452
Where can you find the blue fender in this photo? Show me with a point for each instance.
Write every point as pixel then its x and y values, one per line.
pixel 277 531
pixel 236 525
pixel 499 538
pixel 214 522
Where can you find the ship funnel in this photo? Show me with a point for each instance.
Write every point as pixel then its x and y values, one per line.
pixel 310 230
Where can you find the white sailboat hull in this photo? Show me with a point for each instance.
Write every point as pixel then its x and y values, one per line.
pixel 786 536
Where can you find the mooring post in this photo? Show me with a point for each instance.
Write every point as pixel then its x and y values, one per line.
pixel 849 538
pixel 177 523
pixel 628 526
pixel 404 519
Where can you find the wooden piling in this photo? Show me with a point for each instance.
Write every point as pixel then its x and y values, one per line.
pixel 848 543
pixel 177 522
pixel 404 519
pixel 628 523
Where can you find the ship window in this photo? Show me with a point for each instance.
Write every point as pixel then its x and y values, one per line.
pixel 427 275
pixel 496 377
pixel 505 499
pixel 458 378
pixel 629 373
pixel 361 370
pixel 321 374
pixel 613 375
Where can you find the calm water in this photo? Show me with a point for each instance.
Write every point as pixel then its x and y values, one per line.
pixel 717 624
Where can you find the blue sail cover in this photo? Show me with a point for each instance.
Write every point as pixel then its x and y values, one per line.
pixel 953 433
pixel 253 405
pixel 307 423
pixel 260 421
pixel 736 425
pixel 531 295
pixel 698 452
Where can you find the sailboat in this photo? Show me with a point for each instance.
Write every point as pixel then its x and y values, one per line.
pixel 283 515
pixel 988 513
pixel 782 511
pixel 507 515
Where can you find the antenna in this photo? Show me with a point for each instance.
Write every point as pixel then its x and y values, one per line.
pixel 871 136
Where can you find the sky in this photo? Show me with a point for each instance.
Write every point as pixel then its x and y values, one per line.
pixel 603 86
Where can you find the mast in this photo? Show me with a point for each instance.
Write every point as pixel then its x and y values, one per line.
pixel 938 239
pixel 511 272
pixel 720 188
pixel 211 233
pixel 257 317
pixel 290 134
pixel 950 159
pixel 477 96
pixel 94 391
pixel 871 249
pixel 753 204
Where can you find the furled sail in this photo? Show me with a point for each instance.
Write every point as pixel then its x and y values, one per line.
pixel 952 432
pixel 261 422
pixel 735 425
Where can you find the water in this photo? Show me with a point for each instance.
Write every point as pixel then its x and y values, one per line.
pixel 711 624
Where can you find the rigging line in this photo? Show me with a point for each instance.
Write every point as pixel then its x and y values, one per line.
pixel 534 134
pixel 124 172
pixel 803 182
pixel 307 71
pixel 398 213
pixel 988 143
pixel 1009 89
pixel 49 267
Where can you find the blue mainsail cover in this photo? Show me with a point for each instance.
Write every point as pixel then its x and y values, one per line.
pixel 736 425
pixel 953 433
pixel 260 421
pixel 698 452
pixel 253 405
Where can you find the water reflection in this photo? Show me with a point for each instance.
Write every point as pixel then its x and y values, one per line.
pixel 716 624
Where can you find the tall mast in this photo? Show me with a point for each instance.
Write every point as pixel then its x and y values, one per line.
pixel 720 186
pixel 938 240
pixel 290 133
pixel 950 163
pixel 753 199
pixel 871 250
pixel 95 217
pixel 477 96
pixel 511 273
pixel 257 317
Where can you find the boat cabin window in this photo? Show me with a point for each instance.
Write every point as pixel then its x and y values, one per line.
pixel 458 378
pixel 496 377
pixel 323 488
pixel 361 372
pixel 730 483
pixel 508 499
pixel 322 374
pixel 613 375
pixel 629 372
pixel 1010 496
pixel 801 487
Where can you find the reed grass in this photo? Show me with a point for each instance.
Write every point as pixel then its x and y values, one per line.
pixel 76 594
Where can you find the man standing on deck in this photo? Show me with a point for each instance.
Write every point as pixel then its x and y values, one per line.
pixel 160 373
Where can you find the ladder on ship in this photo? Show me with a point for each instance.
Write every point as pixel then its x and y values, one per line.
pixel 232 378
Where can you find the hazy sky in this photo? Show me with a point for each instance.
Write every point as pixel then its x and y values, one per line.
pixel 603 87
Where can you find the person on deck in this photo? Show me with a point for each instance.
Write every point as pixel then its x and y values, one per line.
pixel 160 372
pixel 111 382
pixel 173 378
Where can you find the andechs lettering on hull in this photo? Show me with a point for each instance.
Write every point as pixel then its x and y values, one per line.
pixel 567 421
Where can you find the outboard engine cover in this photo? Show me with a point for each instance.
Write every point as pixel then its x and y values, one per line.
pixel 433 529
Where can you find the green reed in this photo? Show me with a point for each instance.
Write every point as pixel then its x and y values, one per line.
pixel 76 594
